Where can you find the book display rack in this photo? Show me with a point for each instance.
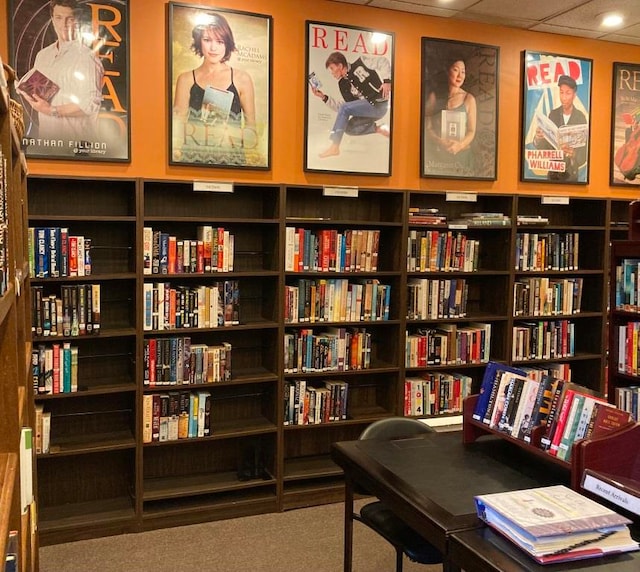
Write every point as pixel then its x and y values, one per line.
pixel 17 511
pixel 329 306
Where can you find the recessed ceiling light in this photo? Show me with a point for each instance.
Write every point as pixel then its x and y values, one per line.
pixel 611 20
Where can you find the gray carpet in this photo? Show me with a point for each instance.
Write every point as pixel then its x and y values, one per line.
pixel 306 539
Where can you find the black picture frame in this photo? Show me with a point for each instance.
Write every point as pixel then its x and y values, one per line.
pixel 227 122
pixel 459 110
pixel 624 168
pixel 84 115
pixel 349 119
pixel 547 154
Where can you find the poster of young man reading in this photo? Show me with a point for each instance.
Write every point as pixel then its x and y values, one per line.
pixel 348 104
pixel 557 96
pixel 71 59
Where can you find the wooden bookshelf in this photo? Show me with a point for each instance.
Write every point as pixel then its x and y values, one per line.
pixel 16 401
pixel 119 483
pixel 623 377
pixel 93 437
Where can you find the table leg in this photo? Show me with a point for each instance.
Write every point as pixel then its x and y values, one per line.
pixel 348 524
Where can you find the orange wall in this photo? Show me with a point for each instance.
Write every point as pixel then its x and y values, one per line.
pixel 149 107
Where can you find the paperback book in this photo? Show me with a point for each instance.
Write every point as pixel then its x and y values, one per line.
pixel 556 524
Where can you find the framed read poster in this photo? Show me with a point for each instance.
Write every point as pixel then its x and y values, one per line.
pixel 625 125
pixel 348 108
pixel 72 62
pixel 459 110
pixel 556 117
pixel 219 87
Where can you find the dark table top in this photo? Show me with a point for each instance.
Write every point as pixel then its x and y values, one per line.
pixel 484 550
pixel 431 480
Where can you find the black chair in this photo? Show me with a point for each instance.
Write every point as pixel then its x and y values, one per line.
pixel 381 518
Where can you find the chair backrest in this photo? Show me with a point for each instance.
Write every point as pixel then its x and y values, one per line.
pixel 395 428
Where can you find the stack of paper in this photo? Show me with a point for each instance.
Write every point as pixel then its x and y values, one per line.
pixel 556 524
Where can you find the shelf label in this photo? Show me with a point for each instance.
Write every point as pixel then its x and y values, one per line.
pixel 213 186
pixel 554 200
pixel 351 192
pixel 460 197
pixel 612 494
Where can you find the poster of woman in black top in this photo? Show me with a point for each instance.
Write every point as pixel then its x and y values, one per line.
pixel 220 74
pixel 348 103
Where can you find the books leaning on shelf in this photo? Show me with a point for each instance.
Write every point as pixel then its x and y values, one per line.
pixel 322 402
pixel 54 368
pixel 516 401
pixel 627 399
pixel 176 415
pixel 435 393
pixel 439 251
pixel 76 312
pixel 54 253
pixel 427 216
pixel 627 288
pixel 480 219
pixel 556 524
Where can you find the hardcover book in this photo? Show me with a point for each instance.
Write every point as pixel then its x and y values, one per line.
pixel 34 82
pixel 453 125
pixel 556 524
pixel 216 105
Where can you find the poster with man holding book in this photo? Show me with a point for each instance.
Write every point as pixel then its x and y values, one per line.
pixel 220 74
pixel 555 131
pixel 71 60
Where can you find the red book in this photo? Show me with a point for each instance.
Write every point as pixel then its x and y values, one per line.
pixel 152 361
pixel 173 255
pixel 73 256
pixel 606 418
pixel 56 368
pixel 561 421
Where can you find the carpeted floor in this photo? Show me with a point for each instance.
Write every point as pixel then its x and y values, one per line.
pixel 306 539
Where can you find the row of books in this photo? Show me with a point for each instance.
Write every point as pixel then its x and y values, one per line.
pixel 627 399
pixel 435 393
pixel 54 253
pixel 532 220
pixel 334 349
pixel 211 251
pixel 438 251
pixel 336 300
pixel 448 344
pixel 431 299
pixel 170 307
pixel 42 429
pixel 54 368
pixel 4 266
pixel 176 415
pixel 538 252
pixel 4 225
pixel 547 296
pixel 331 250
pixel 323 402
pixel 629 348
pixel 513 403
pixel 547 339
pixel 425 215
pixel 627 287
pixel 178 361
pixel 76 312
pixel 481 219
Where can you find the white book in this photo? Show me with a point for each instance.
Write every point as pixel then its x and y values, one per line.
pixel 26 468
pixel 148 306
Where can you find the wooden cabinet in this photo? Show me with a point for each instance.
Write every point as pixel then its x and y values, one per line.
pixel 16 402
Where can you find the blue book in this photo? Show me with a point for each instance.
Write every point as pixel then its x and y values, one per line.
pixel 490 381
pixel 42 253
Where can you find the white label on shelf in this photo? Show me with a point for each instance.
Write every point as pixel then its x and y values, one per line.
pixel 554 200
pixel 351 192
pixel 458 227
pixel 213 186
pixel 612 494
pixel 459 197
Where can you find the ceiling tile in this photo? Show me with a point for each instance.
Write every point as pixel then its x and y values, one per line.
pixel 412 7
pixel 587 15
pixel 537 10
pixel 567 31
pixel 496 19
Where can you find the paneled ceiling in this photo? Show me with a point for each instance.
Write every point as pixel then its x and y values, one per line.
pixel 569 17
